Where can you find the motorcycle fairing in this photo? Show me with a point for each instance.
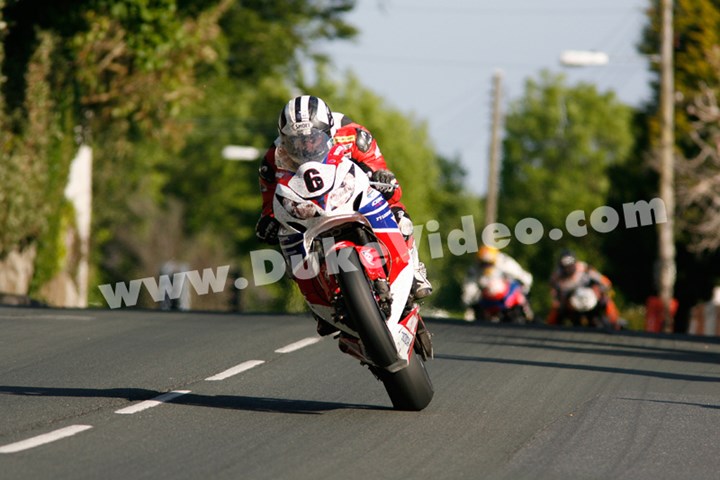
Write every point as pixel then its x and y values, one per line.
pixel 513 288
pixel 310 211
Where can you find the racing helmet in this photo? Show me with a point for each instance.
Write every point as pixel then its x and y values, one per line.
pixel 487 255
pixel 567 263
pixel 303 113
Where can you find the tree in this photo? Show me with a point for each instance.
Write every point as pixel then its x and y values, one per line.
pixel 560 145
pixel 157 89
pixel 696 24
pixel 266 38
pixel 699 181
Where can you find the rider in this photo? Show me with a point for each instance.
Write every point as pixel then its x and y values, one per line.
pixel 568 275
pixel 306 112
pixel 490 257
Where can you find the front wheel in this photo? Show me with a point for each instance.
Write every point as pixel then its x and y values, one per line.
pixel 409 389
pixel 365 314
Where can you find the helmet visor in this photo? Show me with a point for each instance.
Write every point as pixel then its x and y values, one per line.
pixel 309 146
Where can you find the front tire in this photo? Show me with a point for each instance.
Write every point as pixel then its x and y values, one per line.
pixel 363 310
pixel 409 388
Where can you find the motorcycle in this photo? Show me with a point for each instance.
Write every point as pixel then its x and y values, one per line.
pixel 495 297
pixel 586 303
pixel 345 251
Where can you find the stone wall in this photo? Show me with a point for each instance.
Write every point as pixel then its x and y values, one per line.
pixel 16 271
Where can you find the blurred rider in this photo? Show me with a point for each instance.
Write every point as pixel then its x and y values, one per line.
pixel 489 257
pixel 304 113
pixel 570 274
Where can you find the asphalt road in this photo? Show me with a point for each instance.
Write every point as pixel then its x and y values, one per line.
pixel 510 402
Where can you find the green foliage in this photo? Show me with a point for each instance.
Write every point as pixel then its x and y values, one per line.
pixel 696 24
pixel 265 38
pixel 452 203
pixel 560 143
pixel 133 95
pixel 157 88
pixel 222 197
pixel 28 191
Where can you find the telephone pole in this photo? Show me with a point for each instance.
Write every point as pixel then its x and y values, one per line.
pixel 666 241
pixel 491 202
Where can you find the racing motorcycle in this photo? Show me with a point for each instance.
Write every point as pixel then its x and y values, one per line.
pixel 345 251
pixel 495 297
pixel 586 304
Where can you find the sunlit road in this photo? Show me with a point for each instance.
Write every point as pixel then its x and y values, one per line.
pixel 133 394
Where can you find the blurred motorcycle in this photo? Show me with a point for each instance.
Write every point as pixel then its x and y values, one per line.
pixel 587 304
pixel 494 297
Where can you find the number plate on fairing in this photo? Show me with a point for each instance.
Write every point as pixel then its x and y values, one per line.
pixel 313 180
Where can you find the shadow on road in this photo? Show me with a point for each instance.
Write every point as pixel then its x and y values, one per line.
pixel 604 342
pixel 618 344
pixel 588 368
pixel 614 350
pixel 254 404
pixel 670 402
pixel 263 404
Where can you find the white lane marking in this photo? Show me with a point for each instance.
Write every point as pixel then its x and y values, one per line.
pixel 44 438
pixel 236 369
pixel 10 316
pixel 298 345
pixel 166 397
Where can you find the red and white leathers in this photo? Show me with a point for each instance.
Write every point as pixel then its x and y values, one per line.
pixel 563 285
pixel 313 295
pixel 358 143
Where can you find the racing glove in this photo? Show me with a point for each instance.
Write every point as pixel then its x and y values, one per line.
pixel 267 229
pixel 388 178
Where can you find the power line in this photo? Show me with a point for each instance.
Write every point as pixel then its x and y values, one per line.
pixel 424 61
pixel 418 9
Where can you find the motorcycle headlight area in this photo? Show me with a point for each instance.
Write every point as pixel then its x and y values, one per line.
pixel 301 210
pixel 341 195
pixel 583 299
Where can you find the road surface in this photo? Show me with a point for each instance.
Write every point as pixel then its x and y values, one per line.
pixel 130 394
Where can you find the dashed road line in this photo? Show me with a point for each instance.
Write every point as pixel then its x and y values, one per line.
pixel 298 345
pixel 235 370
pixel 44 438
pixel 159 400
pixel 166 397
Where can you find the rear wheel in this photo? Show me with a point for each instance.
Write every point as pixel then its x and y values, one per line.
pixel 409 388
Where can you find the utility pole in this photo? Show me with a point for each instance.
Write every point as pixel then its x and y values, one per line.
pixel 666 241
pixel 491 202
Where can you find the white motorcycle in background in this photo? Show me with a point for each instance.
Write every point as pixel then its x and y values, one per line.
pixel 343 247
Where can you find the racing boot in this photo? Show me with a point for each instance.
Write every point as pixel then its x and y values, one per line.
pixel 324 328
pixel 421 286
